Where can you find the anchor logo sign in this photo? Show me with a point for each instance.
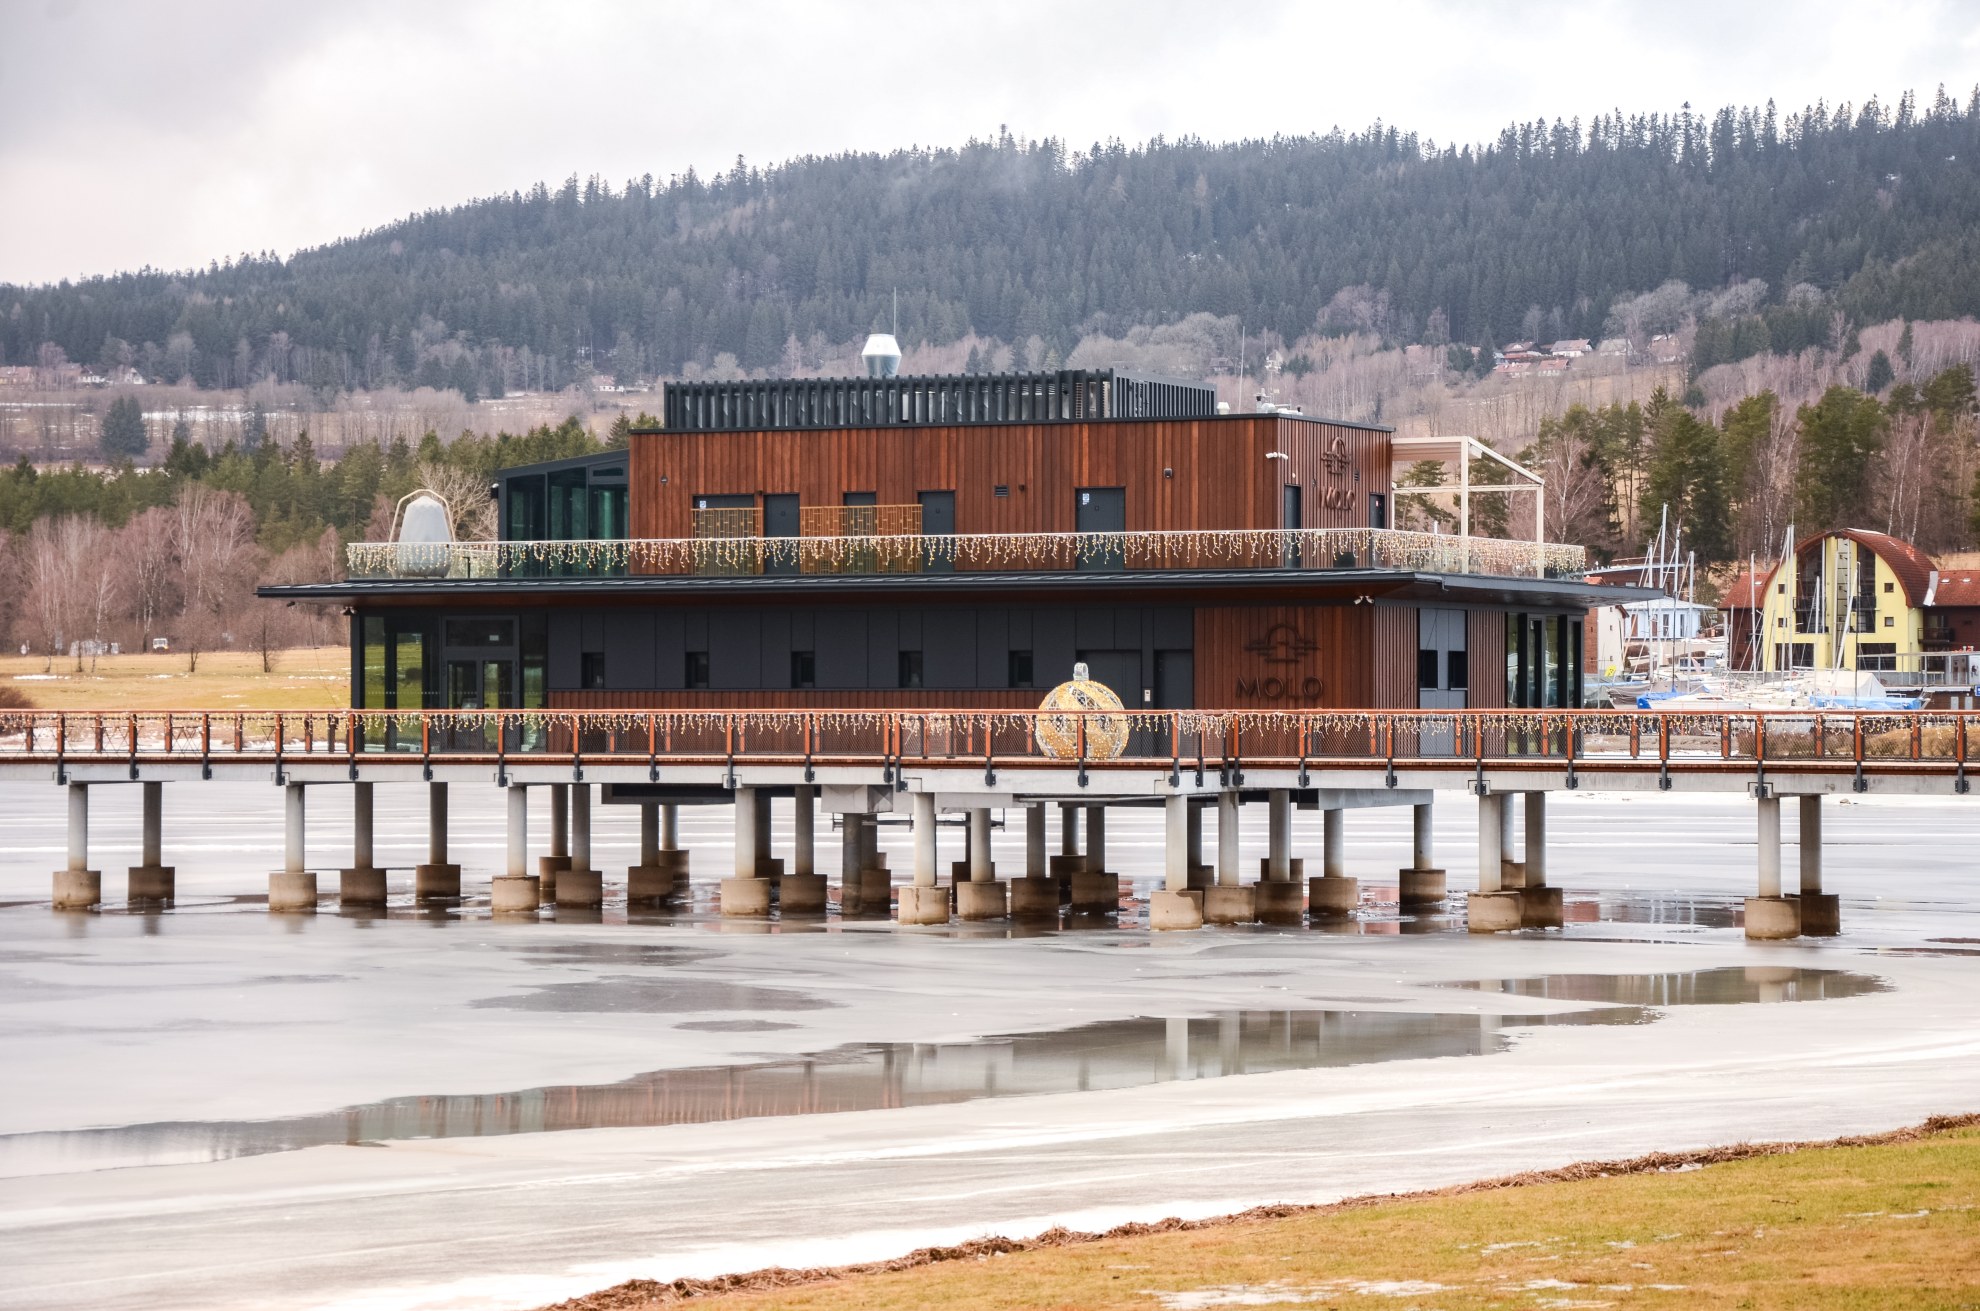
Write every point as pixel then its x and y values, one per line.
pixel 1282 645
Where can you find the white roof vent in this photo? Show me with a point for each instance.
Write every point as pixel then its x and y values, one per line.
pixel 882 355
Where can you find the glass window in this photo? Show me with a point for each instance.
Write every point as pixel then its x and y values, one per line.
pixel 804 669
pixel 910 669
pixel 409 674
pixel 591 672
pixel 697 669
pixel 1018 669
pixel 481 632
pixel 1426 670
pixel 371 693
pixel 1456 670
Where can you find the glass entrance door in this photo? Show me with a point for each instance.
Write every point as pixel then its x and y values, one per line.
pixel 481 684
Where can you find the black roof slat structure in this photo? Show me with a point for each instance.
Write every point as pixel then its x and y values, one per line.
pixel 812 403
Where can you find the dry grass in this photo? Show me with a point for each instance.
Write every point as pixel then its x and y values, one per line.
pixel 1890 1222
pixel 308 678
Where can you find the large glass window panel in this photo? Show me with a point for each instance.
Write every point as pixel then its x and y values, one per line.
pixel 409 672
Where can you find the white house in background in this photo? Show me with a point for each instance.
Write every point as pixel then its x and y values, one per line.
pixel 1573 349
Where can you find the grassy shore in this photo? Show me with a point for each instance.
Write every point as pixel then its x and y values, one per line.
pixel 1891 1222
pixel 307 678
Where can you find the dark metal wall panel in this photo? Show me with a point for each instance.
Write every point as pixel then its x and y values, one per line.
pixel 883 648
pixel 628 649
pixel 1052 646
pixel 669 649
pixel 566 647
pixel 735 649
pixel 949 649
pixel 1093 627
pixel 777 644
pixel 841 647
pixel 594 630
pixel 1172 626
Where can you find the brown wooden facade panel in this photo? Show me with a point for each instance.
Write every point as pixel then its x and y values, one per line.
pixel 1283 657
pixel 1218 474
pixel 1485 643
pixel 1394 677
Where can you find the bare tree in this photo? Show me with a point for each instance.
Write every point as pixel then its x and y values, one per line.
pixel 469 506
pixel 213 537
pixel 149 554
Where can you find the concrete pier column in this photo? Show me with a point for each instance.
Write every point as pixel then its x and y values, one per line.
pixel 1068 829
pixel 1096 890
pixel 1333 894
pixel 517 891
pixel 744 892
pixel 1227 902
pixel 922 902
pixel 1512 872
pixel 1821 912
pixel 649 833
pixel 981 896
pixel 670 828
pixel 1278 836
pixel 580 887
pixel 1422 883
pixel 1278 897
pixel 78 887
pixel 1036 895
pixel 1174 905
pixel 1770 916
pixel 438 877
pixel 559 859
pixel 293 887
pixel 802 891
pixel 1539 904
pixel 363 884
pixel 768 866
pixel 151 879
pixel 653 879
pixel 1493 908
pixel 1201 875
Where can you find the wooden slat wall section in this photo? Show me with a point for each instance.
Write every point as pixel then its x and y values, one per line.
pixel 1485 646
pixel 1222 478
pixel 875 699
pixel 1394 678
pixel 1334 645
pixel 1307 445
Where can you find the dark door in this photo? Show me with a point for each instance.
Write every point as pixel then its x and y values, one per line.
pixel 1175 689
pixel 938 519
pixel 1293 521
pixel 1120 671
pixel 780 519
pixel 1100 510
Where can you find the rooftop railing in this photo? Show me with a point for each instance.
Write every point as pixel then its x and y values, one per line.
pixel 1210 549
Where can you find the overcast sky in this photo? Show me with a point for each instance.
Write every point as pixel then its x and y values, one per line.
pixel 171 132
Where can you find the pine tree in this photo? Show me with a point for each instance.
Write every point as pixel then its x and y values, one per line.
pixel 1879 374
pixel 1839 435
pixel 124 435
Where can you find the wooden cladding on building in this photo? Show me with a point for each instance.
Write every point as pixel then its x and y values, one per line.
pixel 1212 473
pixel 1282 657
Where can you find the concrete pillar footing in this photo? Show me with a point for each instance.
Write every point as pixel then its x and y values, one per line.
pixel 921 905
pixel 1492 912
pixel 1512 875
pixel 1095 892
pixel 1175 910
pixel 1295 864
pixel 1422 887
pixel 1034 898
pixel 580 888
pixel 1541 908
pixel 1821 914
pixel 431 881
pixel 78 889
pixel 801 894
pixel 1334 895
pixel 515 894
pixel 648 884
pixel 151 883
pixel 982 901
pixel 1770 919
pixel 361 887
pixel 1280 903
pixel 745 896
pixel 547 869
pixel 292 890
pixel 1224 904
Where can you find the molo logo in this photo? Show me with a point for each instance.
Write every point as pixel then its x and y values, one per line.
pixel 1282 644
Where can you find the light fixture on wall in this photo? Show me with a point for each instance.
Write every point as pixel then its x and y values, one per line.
pixel 1168 473
pixel 663 480
pixel 1277 455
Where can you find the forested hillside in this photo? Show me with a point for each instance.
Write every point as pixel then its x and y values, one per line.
pixel 1831 214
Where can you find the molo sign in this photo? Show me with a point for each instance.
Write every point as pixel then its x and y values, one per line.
pixel 1282 648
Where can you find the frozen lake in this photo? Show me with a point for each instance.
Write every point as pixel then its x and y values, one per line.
pixel 213 1107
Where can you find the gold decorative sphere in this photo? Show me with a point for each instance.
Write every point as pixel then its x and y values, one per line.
pixel 1058 735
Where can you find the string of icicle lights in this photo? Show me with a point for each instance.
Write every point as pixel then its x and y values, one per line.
pixel 1313 548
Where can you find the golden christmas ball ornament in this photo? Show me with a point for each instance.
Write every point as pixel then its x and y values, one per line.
pixel 1058 734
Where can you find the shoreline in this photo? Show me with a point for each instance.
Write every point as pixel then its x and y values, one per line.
pixel 637 1294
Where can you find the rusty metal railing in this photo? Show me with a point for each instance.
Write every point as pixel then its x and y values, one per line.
pixel 1224 742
